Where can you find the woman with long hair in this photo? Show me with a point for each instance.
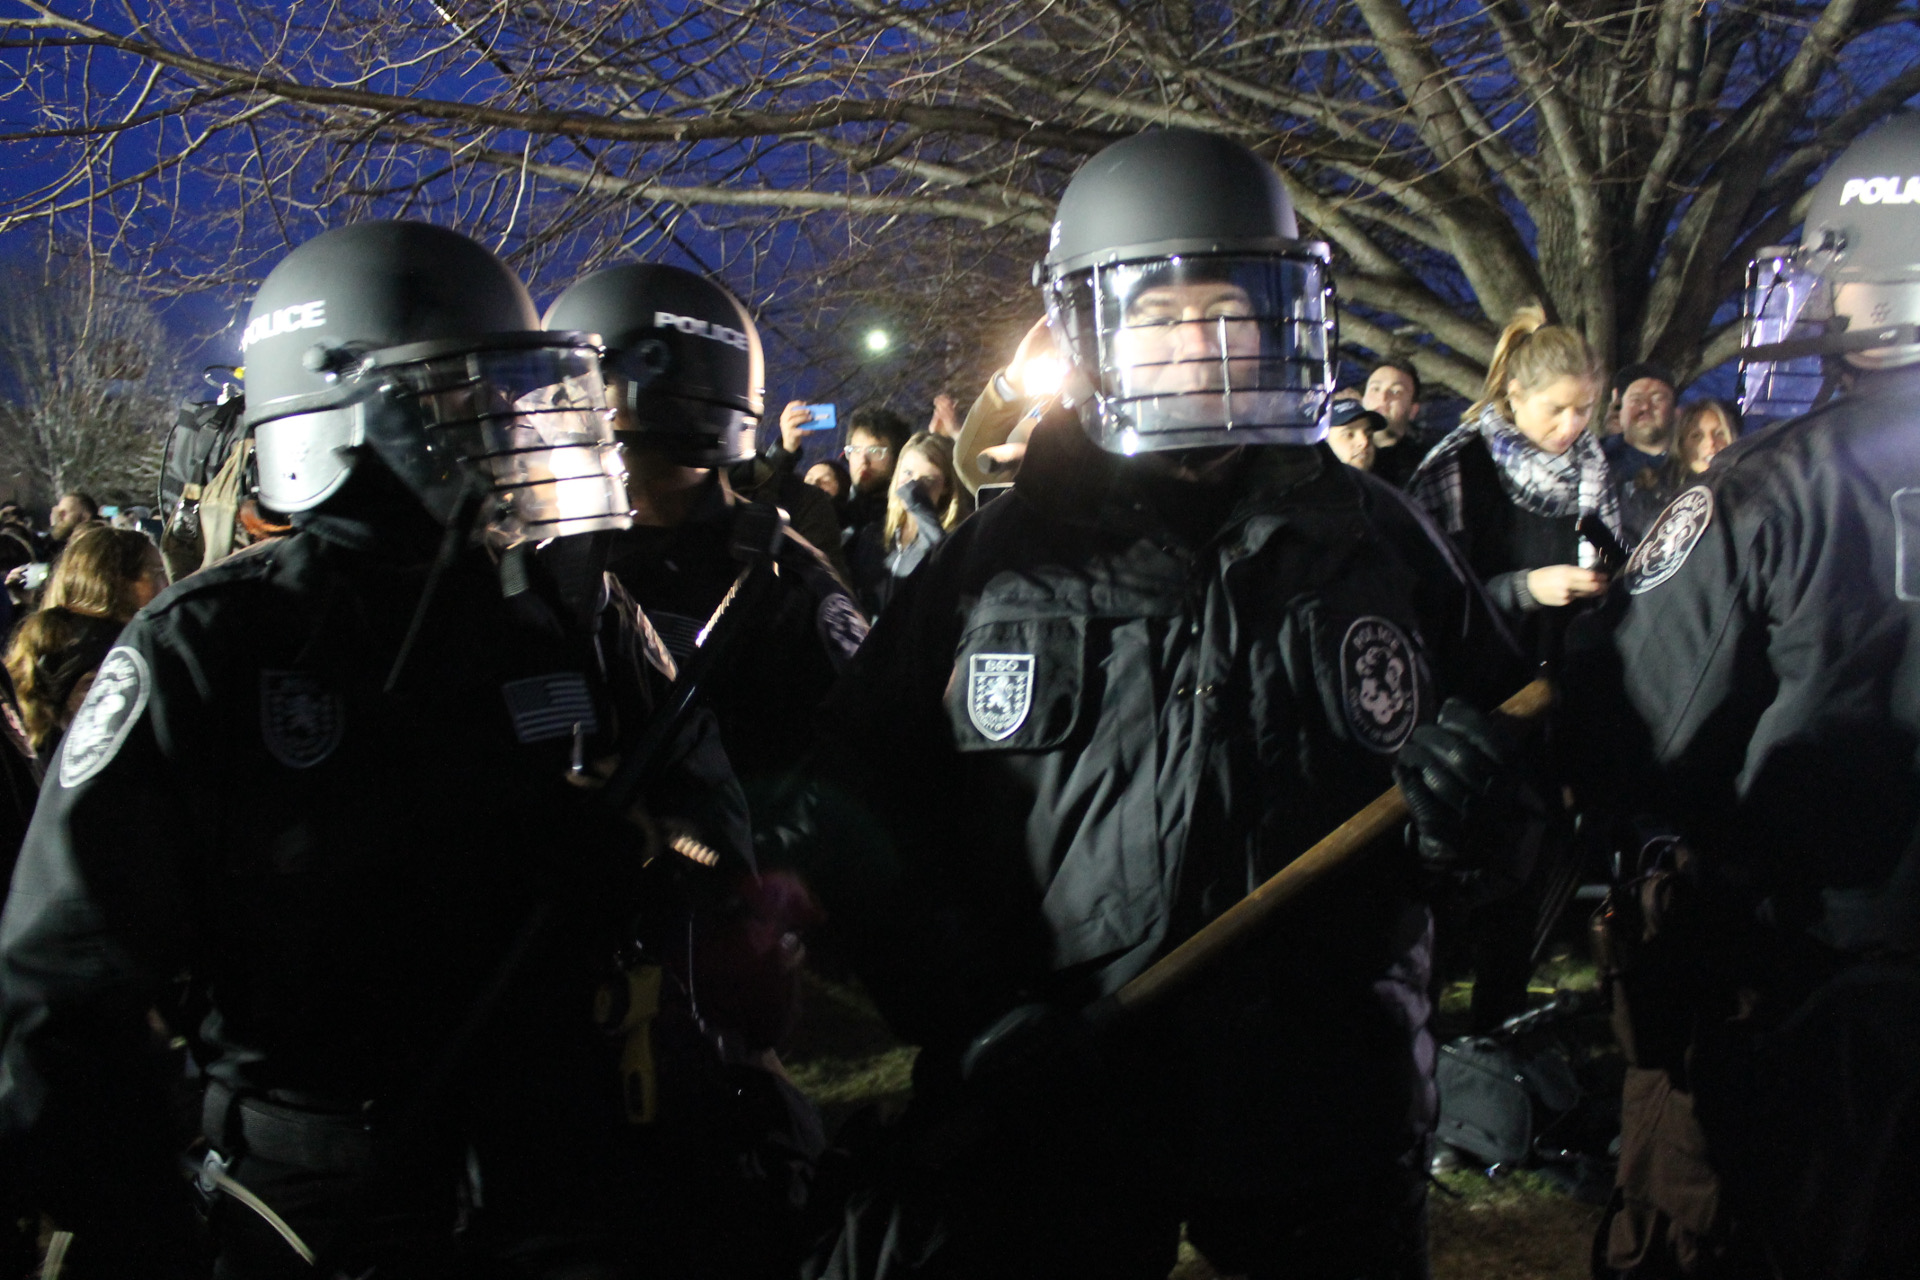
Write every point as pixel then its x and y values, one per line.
pixel 1705 428
pixel 926 501
pixel 103 578
pixel 1511 484
pixel 1513 480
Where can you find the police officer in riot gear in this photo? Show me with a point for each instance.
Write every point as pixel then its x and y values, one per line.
pixel 327 812
pixel 1757 685
pixel 687 378
pixel 1188 644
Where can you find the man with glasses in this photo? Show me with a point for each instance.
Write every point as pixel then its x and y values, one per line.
pixel 875 436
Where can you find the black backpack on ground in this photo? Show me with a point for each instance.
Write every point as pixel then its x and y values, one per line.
pixel 1540 1092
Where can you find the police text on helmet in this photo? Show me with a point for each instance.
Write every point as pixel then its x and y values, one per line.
pixel 1889 190
pixel 301 315
pixel 700 328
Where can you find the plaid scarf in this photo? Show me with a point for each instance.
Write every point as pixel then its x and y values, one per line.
pixel 1570 484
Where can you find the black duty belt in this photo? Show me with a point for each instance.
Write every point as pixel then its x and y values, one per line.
pixel 334 1141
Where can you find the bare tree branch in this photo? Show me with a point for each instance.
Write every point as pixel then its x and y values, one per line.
pixel 845 159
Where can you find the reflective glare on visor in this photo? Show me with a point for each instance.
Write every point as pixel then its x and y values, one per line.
pixel 536 426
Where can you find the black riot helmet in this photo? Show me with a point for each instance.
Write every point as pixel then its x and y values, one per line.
pixel 1180 290
pixel 1851 288
pixel 683 360
pixel 417 344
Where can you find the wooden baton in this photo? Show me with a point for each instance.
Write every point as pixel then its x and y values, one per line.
pixel 1244 918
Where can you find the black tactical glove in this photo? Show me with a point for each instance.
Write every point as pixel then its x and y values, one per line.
pixel 913 493
pixel 1459 775
pixel 1033 1047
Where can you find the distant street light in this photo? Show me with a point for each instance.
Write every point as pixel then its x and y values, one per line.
pixel 878 341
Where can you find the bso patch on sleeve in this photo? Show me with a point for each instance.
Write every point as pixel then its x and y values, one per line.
pixel 1379 685
pixel 1671 540
pixel 118 697
pixel 999 693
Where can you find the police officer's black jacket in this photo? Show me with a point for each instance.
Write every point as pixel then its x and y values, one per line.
pixel 1758 680
pixel 1109 707
pixel 782 664
pixel 340 871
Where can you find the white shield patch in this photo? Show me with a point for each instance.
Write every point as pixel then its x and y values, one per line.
pixel 301 720
pixel 1671 540
pixel 118 696
pixel 1379 685
pixel 999 692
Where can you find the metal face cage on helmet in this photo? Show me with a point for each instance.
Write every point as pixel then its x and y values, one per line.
pixel 522 421
pixel 1852 287
pixel 416 344
pixel 1180 290
pixel 1784 304
pixel 1194 350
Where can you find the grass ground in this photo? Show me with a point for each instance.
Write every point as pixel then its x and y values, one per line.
pixel 1516 1227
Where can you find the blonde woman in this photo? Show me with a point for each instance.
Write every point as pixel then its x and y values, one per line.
pixel 925 501
pixel 103 578
pixel 1513 480
pixel 1511 484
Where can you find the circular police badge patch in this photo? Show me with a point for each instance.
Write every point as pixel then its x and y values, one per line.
pixel 1378 684
pixel 300 719
pixel 843 628
pixel 1671 540
pixel 118 696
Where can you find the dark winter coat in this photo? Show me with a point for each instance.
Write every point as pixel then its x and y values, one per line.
pixel 1765 666
pixel 779 670
pixel 336 871
pixel 1106 709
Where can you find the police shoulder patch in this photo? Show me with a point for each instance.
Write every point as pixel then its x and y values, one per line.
pixel 1671 540
pixel 999 692
pixel 1379 684
pixel 843 628
pixel 113 704
pixel 301 720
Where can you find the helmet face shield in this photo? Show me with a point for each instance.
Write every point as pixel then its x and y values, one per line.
pixel 682 358
pixel 531 424
pixel 1786 301
pixel 1196 351
pixel 651 412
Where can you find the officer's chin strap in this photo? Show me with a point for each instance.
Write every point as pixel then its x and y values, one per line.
pixel 452 541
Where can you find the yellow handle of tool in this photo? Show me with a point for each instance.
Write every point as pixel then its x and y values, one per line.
pixel 637 1005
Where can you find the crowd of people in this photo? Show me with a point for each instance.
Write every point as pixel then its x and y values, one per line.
pixel 423 890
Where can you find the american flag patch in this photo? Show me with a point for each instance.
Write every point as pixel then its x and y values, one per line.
pixel 546 707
